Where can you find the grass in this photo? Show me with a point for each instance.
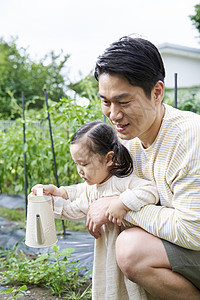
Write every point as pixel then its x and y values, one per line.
pixel 16 214
pixel 50 270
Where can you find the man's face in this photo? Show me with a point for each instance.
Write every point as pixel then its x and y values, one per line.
pixel 128 109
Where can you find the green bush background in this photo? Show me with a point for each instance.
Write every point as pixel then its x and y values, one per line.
pixel 66 117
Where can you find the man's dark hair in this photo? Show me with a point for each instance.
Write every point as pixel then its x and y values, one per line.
pixel 136 59
pixel 101 138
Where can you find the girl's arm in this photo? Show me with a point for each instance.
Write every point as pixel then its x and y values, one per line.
pixel 65 203
pixel 135 193
pixel 50 190
pixel 138 193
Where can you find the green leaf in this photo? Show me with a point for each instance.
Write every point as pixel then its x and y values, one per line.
pixel 67 252
pixel 55 248
pixel 7 291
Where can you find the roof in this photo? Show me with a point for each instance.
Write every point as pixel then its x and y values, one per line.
pixel 167 48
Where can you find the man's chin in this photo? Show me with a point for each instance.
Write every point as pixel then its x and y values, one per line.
pixel 126 136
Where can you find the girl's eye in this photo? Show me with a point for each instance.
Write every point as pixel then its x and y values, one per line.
pixel 81 164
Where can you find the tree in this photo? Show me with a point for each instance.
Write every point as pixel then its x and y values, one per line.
pixel 19 73
pixel 196 17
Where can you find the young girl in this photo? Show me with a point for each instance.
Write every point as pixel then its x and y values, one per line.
pixel 107 169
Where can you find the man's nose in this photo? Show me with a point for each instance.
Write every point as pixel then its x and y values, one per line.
pixel 115 112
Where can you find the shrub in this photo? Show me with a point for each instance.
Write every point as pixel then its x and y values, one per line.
pixel 66 118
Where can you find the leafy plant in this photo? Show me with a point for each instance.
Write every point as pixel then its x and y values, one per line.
pixel 16 292
pixel 51 270
pixel 66 118
pixel 188 99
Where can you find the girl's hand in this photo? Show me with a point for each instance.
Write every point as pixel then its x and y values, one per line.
pixel 48 190
pixel 116 211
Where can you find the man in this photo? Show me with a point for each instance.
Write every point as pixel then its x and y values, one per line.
pixel 161 252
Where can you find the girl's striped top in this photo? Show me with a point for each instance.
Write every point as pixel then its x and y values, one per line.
pixel 173 162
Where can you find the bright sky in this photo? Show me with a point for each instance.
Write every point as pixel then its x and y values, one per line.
pixel 84 28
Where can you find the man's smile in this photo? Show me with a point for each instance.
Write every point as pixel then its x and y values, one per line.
pixel 120 127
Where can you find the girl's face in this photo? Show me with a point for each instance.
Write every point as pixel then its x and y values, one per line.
pixel 93 168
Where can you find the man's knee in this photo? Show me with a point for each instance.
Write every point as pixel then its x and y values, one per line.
pixel 128 251
pixel 138 251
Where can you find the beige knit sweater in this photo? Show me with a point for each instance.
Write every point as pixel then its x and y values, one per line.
pixel 173 162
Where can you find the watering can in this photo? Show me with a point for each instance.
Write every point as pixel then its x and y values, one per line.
pixel 40 227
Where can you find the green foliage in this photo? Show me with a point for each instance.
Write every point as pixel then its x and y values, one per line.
pixel 196 18
pixel 87 87
pixel 187 99
pixel 16 292
pixel 70 226
pixel 66 118
pixel 17 215
pixel 19 73
pixel 51 270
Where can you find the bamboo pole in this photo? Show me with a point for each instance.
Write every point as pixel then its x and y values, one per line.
pixel 24 140
pixel 52 147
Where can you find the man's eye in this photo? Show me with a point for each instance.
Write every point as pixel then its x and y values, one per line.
pixel 105 102
pixel 124 102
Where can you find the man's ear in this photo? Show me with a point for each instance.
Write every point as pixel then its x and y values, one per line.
pixel 109 158
pixel 158 92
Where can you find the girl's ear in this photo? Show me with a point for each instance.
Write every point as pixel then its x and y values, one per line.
pixel 109 157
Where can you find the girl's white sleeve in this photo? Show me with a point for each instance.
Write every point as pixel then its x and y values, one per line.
pixel 139 193
pixel 76 207
pixel 74 191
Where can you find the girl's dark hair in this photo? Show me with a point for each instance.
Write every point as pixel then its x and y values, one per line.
pixel 101 138
pixel 136 59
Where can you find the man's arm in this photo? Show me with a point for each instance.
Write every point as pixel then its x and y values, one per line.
pixel 178 224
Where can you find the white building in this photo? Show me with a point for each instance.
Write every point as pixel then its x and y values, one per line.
pixel 184 61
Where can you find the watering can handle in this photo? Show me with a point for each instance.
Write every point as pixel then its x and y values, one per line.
pixel 39 231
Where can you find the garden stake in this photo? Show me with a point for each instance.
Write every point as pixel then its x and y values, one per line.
pixel 175 90
pixel 24 138
pixel 52 147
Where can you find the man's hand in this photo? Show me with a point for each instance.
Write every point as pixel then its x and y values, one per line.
pixel 96 216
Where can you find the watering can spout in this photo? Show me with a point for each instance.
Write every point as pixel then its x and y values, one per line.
pixel 39 231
